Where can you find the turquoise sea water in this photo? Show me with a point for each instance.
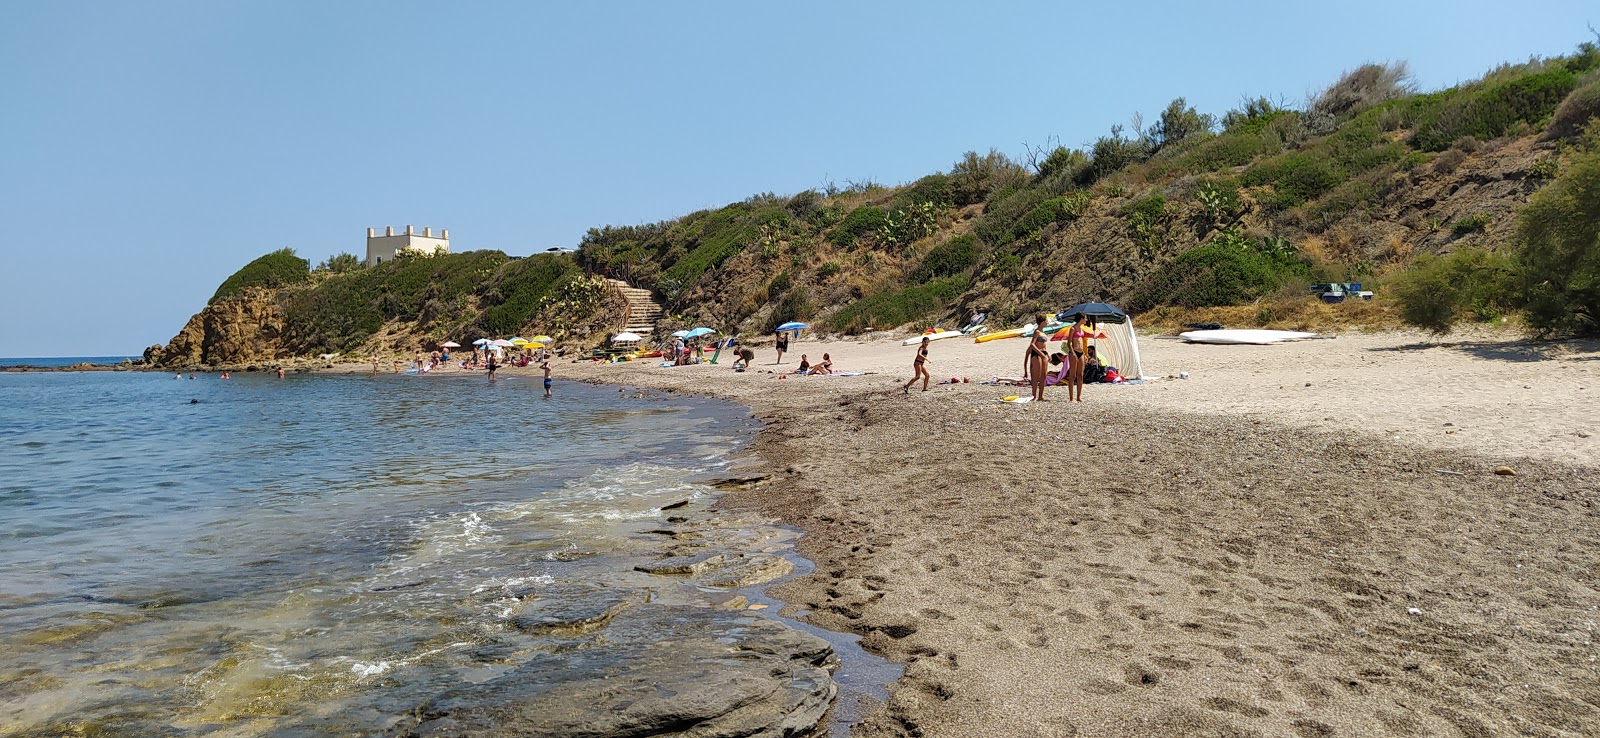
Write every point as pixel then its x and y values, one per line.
pixel 221 557
pixel 59 361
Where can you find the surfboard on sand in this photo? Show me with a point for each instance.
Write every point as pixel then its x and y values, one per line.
pixel 1259 337
pixel 940 336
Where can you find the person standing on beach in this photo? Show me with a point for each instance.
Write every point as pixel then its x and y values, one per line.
pixel 782 345
pixel 1038 354
pixel 919 368
pixel 546 367
pixel 492 366
pixel 1078 350
pixel 374 365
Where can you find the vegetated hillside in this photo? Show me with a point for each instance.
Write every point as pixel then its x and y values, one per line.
pixel 271 311
pixel 1192 212
pixel 1191 217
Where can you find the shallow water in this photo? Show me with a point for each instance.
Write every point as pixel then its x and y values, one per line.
pixel 314 554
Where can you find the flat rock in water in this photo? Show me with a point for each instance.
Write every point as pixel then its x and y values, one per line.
pixel 683 565
pixel 661 671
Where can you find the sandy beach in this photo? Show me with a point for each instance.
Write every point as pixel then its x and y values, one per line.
pixel 1305 539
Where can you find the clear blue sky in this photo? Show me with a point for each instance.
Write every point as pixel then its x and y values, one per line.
pixel 149 149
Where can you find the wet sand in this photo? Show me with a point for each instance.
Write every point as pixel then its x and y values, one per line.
pixel 1306 539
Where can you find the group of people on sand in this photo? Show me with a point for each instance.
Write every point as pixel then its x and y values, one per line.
pixel 1078 359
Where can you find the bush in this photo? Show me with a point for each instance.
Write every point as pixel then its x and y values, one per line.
pixel 1558 251
pixel 1295 177
pixel 1178 122
pixel 280 268
pixel 997 226
pixel 1112 153
pixel 828 269
pixel 863 221
pixel 1253 117
pixel 1475 223
pixel 1359 89
pixel 794 305
pixel 949 258
pixel 521 287
pixel 1217 153
pixel 1062 160
pixel 340 263
pixel 893 308
pixel 805 205
pixel 1577 109
pixel 1437 291
pixel 1495 109
pixel 1218 274
pixel 974 177
pixel 934 189
pixel 1144 222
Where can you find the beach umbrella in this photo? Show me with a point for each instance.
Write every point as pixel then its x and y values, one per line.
pixel 450 344
pixel 520 342
pixel 542 338
pixel 1097 310
pixel 792 326
pixel 626 336
pixel 701 331
pixel 680 334
pixel 482 342
pixel 535 345
pixel 501 343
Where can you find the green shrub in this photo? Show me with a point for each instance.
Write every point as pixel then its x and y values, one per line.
pixel 1112 153
pixel 1062 160
pixel 1145 218
pixel 1253 117
pixel 805 205
pixel 793 305
pixel 904 225
pixel 1438 291
pixel 1475 223
pixel 998 224
pixel 949 258
pixel 828 269
pixel 1063 209
pixel 1217 153
pixel 975 176
pixel 1217 274
pixel 893 308
pixel 861 222
pixel 779 283
pixel 280 268
pixel 1358 90
pixel 1495 109
pixel 1577 109
pixel 1558 251
pixel 340 263
pixel 935 189
pixel 521 287
pixel 1295 178
pixel 1178 122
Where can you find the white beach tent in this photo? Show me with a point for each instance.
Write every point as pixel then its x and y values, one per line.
pixel 1120 347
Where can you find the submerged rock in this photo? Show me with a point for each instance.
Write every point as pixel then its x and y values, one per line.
pixel 660 671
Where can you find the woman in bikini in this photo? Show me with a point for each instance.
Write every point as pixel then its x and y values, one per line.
pixel 919 368
pixel 1038 354
pixel 1078 349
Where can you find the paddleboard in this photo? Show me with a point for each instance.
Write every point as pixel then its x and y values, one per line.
pixel 1005 334
pixel 940 336
pixel 1253 336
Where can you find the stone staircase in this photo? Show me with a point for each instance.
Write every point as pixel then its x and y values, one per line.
pixel 642 312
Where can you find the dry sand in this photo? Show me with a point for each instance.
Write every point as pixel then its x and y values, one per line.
pixel 1299 540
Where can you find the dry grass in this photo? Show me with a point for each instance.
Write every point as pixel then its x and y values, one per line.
pixel 1296 313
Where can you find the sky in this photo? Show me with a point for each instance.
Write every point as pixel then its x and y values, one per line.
pixel 148 150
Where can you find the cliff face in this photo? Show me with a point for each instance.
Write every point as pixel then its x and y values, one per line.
pixel 243 329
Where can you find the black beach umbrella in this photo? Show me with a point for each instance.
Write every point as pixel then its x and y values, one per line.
pixel 1098 310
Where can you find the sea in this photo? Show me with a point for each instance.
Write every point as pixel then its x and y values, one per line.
pixel 206 556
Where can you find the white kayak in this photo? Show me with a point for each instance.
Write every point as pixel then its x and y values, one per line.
pixel 941 335
pixel 1254 336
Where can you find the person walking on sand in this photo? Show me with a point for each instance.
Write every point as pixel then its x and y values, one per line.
pixel 919 368
pixel 546 367
pixel 782 345
pixel 1038 354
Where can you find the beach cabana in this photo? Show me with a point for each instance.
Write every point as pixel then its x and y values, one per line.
pixel 1120 347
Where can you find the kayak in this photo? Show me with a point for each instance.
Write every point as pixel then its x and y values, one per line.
pixel 940 336
pixel 1004 334
pixel 1249 336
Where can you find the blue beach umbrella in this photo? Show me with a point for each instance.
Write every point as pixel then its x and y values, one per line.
pixel 792 326
pixel 701 331
pixel 680 334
